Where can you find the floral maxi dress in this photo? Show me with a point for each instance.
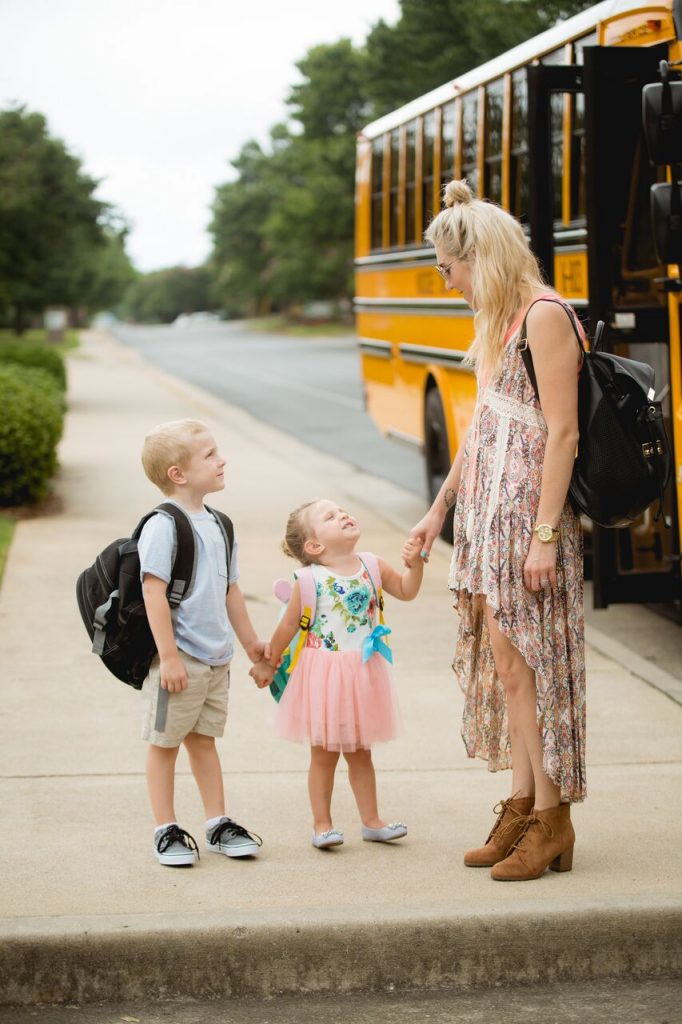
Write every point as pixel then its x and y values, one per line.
pixel 493 526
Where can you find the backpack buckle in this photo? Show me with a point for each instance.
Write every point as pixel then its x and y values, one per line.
pixel 304 623
pixel 522 345
pixel 648 450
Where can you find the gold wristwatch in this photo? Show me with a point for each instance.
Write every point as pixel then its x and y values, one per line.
pixel 547 534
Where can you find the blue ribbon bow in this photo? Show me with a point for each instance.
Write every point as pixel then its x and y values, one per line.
pixel 374 644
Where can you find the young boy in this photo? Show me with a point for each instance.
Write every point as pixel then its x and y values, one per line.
pixel 185 694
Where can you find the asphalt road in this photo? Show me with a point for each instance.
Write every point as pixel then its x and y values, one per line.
pixel 607 1002
pixel 311 387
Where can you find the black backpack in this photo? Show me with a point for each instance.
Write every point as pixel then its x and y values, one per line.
pixel 109 594
pixel 623 462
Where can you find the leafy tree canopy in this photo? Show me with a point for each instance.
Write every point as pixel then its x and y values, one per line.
pixel 51 225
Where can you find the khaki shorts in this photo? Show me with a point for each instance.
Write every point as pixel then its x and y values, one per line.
pixel 168 717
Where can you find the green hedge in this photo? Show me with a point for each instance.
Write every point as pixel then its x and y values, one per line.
pixel 31 425
pixel 33 354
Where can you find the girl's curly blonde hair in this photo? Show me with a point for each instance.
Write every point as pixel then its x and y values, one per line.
pixel 297 533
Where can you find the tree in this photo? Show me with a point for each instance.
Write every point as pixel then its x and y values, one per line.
pixel 162 295
pixel 437 40
pixel 49 217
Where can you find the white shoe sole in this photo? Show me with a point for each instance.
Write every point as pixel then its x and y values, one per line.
pixel 248 850
pixel 187 860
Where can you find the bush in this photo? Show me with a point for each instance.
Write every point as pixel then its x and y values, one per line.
pixel 33 354
pixel 30 428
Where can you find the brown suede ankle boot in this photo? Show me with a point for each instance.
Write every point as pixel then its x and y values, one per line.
pixel 511 821
pixel 547 842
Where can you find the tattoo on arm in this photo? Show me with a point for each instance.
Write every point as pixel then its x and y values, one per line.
pixel 450 497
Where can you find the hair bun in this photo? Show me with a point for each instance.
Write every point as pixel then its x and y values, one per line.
pixel 457 191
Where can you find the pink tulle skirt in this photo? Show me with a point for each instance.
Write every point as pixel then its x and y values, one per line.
pixel 334 701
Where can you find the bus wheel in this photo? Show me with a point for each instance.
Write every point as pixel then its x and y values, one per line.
pixel 437 452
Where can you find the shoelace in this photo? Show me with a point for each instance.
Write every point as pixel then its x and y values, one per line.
pixel 235 831
pixel 532 820
pixel 175 834
pixel 500 809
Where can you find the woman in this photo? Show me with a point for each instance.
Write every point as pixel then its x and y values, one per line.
pixel 517 564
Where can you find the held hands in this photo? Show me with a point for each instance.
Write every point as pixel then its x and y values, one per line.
pixel 412 552
pixel 262 674
pixel 539 571
pixel 426 531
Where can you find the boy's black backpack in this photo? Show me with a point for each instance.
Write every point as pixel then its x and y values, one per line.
pixel 109 594
pixel 623 462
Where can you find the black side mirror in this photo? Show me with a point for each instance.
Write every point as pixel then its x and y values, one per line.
pixel 666 220
pixel 662 121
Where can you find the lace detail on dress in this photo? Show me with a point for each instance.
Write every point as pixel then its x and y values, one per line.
pixel 511 408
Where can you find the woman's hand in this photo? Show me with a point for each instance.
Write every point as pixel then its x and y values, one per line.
pixel 539 571
pixel 426 531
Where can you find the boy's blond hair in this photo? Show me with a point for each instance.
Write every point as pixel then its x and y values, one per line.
pixel 168 445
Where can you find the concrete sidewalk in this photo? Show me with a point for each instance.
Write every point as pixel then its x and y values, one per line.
pixel 86 911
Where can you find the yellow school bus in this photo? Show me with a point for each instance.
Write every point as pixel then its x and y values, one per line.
pixel 551 130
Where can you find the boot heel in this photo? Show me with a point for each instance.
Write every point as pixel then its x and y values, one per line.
pixel 564 862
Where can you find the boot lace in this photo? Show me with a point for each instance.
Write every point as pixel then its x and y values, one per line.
pixel 531 821
pixel 501 808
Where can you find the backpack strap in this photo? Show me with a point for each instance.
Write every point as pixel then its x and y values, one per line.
pixel 308 591
pixel 371 564
pixel 524 349
pixel 227 530
pixel 184 562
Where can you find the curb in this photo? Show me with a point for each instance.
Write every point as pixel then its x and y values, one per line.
pixel 202 957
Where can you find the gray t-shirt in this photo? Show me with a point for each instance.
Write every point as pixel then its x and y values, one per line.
pixel 202 627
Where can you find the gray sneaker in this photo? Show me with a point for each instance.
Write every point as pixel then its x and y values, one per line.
pixel 231 839
pixel 175 847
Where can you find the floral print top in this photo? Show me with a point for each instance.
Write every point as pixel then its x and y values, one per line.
pixel 346 610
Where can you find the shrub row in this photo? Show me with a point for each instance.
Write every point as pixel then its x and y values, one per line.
pixel 33 354
pixel 33 407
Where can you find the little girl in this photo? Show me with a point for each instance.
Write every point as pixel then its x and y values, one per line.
pixel 339 697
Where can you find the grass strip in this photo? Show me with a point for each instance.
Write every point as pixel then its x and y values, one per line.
pixel 7 526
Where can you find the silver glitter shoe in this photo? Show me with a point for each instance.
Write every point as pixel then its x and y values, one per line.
pixel 396 830
pixel 332 837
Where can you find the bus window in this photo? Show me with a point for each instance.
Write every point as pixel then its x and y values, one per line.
pixel 377 192
pixel 640 254
pixel 518 164
pixel 428 141
pixel 557 133
pixel 578 207
pixel 410 179
pixel 447 145
pixel 395 184
pixel 494 104
pixel 469 138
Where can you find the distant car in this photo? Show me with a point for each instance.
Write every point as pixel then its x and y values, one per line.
pixel 192 319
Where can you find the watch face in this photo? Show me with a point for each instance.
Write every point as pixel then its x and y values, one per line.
pixel 544 532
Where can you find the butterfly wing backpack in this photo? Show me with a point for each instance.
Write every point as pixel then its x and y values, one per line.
pixel 623 460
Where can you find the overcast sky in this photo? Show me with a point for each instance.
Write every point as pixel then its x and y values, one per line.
pixel 156 96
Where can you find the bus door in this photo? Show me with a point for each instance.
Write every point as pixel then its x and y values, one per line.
pixel 639 563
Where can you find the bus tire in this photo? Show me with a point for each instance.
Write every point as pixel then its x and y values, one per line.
pixel 437 453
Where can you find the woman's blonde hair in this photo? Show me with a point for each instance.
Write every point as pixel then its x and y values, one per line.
pixel 504 272
pixel 297 533
pixel 169 444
